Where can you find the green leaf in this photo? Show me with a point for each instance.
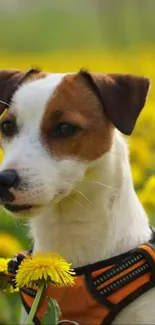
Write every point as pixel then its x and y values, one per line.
pixel 53 313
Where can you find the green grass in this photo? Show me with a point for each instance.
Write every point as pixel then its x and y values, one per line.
pixel 46 30
pixel 116 24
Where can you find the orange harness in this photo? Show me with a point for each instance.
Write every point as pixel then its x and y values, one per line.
pixel 102 289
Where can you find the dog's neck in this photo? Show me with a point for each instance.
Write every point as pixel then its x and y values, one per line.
pixel 101 218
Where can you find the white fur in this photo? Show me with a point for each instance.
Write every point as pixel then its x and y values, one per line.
pixel 89 211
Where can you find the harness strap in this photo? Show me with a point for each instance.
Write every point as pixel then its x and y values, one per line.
pixel 14 264
pixel 121 284
pixel 126 301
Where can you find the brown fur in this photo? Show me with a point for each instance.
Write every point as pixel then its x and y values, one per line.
pixel 74 102
pixel 122 96
pixel 10 80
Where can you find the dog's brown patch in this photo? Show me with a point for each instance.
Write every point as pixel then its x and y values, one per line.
pixel 74 102
pixel 10 80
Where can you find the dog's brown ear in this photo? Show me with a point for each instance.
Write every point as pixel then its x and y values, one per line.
pixel 9 82
pixel 122 97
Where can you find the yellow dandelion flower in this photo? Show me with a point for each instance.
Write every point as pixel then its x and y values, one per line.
pixel 147 200
pixel 10 289
pixel 137 174
pixel 140 154
pixel 3 265
pixel 4 283
pixel 146 195
pixel 47 268
pixel 150 185
pixel 9 245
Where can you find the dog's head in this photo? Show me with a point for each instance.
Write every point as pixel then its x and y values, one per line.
pixel 55 126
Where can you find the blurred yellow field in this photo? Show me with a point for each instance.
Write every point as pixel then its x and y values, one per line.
pixel 134 62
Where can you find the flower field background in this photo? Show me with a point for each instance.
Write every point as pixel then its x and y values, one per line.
pixel 96 35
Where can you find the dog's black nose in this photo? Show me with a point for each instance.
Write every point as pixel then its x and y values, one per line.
pixel 8 178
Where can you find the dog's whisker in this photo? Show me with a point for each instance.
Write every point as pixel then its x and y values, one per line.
pixel 98 183
pixel 2 102
pixel 70 198
pixel 82 195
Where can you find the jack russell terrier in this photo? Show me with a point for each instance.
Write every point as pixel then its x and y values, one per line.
pixel 66 169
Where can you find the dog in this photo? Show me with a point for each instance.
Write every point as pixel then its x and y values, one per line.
pixel 66 167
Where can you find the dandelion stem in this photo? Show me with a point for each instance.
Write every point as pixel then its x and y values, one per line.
pixel 35 305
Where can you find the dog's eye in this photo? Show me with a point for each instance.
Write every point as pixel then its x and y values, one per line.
pixel 8 128
pixel 65 130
